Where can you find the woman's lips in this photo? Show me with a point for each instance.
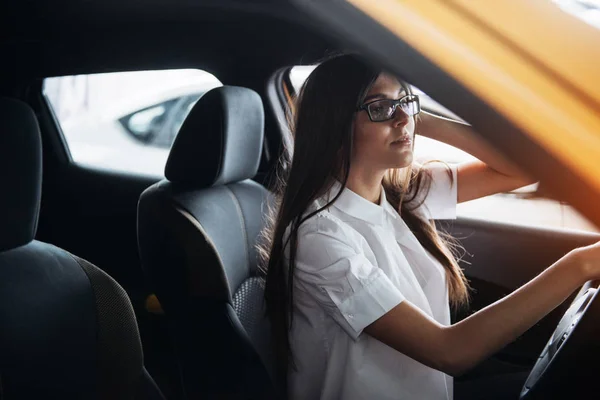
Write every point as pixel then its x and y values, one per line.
pixel 403 141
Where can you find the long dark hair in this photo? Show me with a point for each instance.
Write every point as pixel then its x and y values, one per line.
pixel 322 150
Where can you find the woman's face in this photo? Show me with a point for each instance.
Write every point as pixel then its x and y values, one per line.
pixel 387 144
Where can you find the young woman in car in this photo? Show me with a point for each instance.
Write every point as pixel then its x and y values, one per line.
pixel 359 282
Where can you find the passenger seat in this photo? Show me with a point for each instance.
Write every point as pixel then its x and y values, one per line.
pixel 197 232
pixel 67 329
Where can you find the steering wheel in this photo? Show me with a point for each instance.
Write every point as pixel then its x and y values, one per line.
pixel 569 365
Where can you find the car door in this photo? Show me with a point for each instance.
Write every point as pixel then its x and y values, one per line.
pixel 499 258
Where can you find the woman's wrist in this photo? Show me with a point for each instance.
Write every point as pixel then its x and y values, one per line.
pixel 575 263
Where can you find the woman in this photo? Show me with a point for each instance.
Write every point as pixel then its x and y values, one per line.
pixel 359 283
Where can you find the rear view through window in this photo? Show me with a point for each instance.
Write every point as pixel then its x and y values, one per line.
pixel 125 121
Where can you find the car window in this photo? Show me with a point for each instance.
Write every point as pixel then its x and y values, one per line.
pixel 125 121
pixel 586 10
pixel 181 113
pixel 146 125
pixel 520 207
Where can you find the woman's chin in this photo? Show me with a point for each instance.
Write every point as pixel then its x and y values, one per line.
pixel 404 160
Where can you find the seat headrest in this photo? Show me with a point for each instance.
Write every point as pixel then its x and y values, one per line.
pixel 220 141
pixel 20 173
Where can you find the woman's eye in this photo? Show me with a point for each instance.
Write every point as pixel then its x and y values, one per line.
pixel 381 107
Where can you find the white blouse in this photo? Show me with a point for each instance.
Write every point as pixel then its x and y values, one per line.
pixel 355 261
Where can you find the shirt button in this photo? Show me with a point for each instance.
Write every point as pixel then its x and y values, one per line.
pixel 350 316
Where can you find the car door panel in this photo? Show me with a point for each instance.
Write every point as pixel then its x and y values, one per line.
pixel 499 258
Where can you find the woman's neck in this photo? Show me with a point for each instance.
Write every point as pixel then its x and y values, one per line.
pixel 366 184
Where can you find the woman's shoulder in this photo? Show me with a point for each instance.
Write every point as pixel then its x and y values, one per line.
pixel 326 228
pixel 324 239
pixel 324 223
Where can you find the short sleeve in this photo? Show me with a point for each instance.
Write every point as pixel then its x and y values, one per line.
pixel 441 200
pixel 342 280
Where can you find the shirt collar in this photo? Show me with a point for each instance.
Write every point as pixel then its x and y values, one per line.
pixel 359 207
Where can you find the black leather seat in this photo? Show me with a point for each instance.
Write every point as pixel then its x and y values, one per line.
pixel 197 232
pixel 67 329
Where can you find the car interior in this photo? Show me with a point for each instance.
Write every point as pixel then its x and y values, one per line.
pixel 117 285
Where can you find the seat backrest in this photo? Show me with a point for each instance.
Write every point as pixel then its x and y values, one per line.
pixel 197 234
pixel 68 330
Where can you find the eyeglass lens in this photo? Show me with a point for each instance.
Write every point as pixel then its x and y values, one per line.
pixel 383 110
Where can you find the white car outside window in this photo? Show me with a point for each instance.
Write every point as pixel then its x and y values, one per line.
pixel 125 121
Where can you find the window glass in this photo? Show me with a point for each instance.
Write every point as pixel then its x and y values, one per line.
pixel 299 74
pixel 125 121
pixel 180 115
pixel 586 10
pixel 518 207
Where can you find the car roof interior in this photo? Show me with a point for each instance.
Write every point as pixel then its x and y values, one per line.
pixel 70 37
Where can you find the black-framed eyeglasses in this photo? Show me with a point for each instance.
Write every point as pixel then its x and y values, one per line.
pixel 385 109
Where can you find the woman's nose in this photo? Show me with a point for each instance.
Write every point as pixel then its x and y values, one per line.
pixel 400 117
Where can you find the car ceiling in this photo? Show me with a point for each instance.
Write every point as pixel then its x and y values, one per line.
pixel 227 38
